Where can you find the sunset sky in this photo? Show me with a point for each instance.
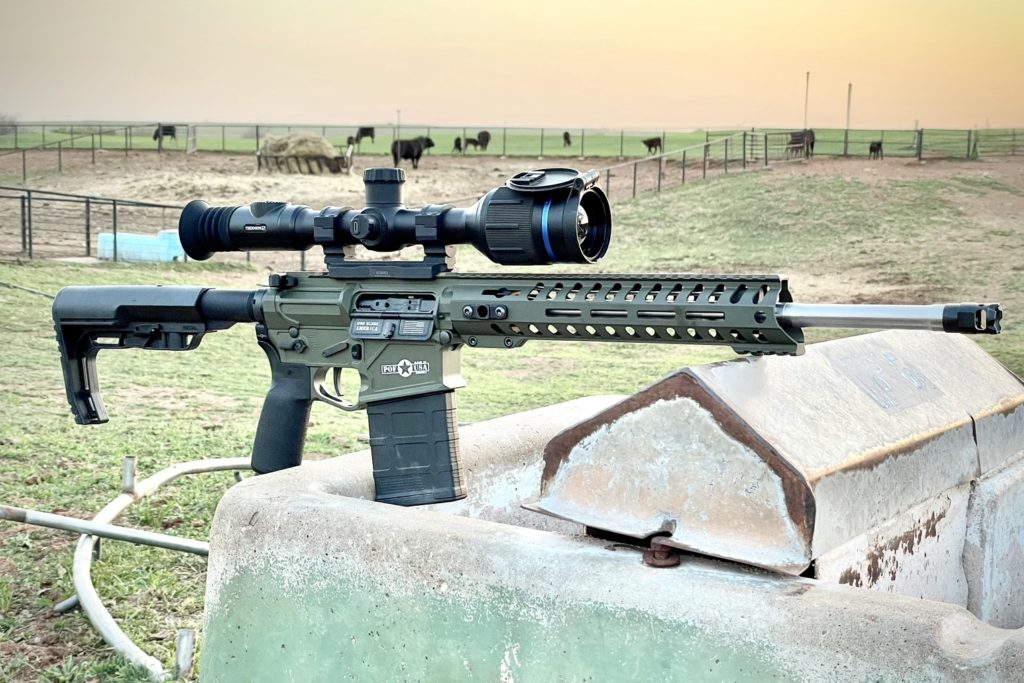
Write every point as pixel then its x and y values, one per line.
pixel 942 63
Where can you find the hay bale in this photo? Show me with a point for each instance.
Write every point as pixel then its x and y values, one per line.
pixel 299 145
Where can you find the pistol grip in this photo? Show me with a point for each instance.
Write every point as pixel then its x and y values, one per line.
pixel 414 445
pixel 281 432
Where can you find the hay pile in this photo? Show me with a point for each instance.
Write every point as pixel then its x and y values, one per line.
pixel 299 145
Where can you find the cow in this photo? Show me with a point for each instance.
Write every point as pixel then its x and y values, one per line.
pixel 875 150
pixel 365 132
pixel 801 143
pixel 458 146
pixel 410 149
pixel 484 139
pixel 163 131
pixel 653 145
pixel 566 139
pixel 472 141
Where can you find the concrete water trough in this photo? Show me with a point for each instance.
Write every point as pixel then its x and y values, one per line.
pixel 853 514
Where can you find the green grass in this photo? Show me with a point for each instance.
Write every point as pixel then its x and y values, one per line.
pixel 507 141
pixel 914 236
pixel 521 141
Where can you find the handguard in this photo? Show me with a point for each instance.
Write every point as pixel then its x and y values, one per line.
pixel 88 319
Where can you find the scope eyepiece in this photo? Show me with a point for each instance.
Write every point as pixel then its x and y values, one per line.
pixel 554 215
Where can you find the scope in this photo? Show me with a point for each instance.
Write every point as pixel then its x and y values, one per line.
pixel 540 217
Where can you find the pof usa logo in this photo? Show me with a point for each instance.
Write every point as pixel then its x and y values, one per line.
pixel 405 368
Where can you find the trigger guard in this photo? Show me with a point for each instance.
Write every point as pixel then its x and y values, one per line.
pixel 334 400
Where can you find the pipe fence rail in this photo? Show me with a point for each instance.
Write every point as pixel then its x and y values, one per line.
pixel 42 223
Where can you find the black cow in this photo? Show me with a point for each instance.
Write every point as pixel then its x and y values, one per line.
pixel 410 149
pixel 653 145
pixel 458 146
pixel 163 131
pixel 365 132
pixel 566 139
pixel 484 138
pixel 801 143
pixel 472 141
pixel 875 150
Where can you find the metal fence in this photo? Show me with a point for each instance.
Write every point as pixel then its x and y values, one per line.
pixel 59 224
pixel 53 224
pixel 39 223
pixel 45 224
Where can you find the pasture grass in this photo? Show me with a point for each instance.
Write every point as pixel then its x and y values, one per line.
pixel 504 141
pixel 520 142
pixel 916 237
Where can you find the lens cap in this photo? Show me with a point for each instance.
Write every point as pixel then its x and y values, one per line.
pixel 544 180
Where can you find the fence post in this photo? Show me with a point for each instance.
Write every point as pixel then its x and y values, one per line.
pixel 257 139
pixel 583 142
pixel 766 150
pixel 428 149
pixel 727 155
pixel 661 161
pixel 968 144
pixel 846 142
pixel 126 142
pixel 24 226
pixel 920 143
pixel 504 140
pixel 622 143
pixel 608 184
pixel 60 156
pixel 634 179
pixel 28 220
pixel 88 227
pixel 24 168
pixel 128 131
pixel 705 172
pixel 15 136
pixel 92 142
pixel 744 149
pixel 684 168
pixel 465 147
pixel 115 231
pixel 541 144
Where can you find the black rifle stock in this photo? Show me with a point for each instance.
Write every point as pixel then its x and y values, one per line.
pixel 402 325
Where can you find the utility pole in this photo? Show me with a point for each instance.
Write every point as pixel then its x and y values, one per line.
pixel 807 92
pixel 846 134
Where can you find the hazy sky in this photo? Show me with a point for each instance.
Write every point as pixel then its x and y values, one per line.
pixel 952 63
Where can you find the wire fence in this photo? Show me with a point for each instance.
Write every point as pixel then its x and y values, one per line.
pixel 34 149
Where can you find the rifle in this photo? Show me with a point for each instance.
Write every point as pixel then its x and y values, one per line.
pixel 402 324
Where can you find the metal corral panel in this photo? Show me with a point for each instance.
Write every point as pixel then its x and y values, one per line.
pixel 774 461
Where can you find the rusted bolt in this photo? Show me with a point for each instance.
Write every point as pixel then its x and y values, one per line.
pixel 661 556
